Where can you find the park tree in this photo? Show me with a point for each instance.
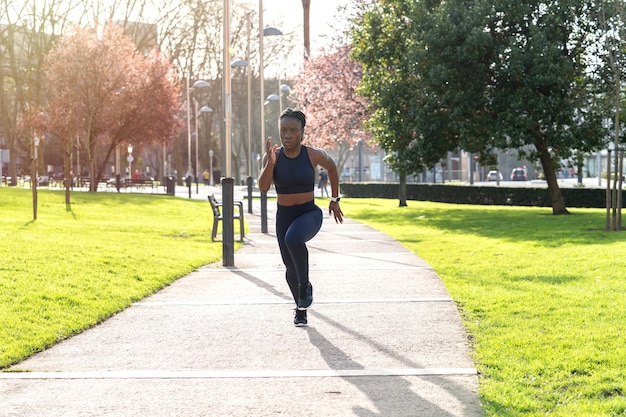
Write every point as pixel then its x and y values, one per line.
pixel 484 75
pixel 326 89
pixel 539 92
pixel 382 42
pixel 102 94
pixel 28 30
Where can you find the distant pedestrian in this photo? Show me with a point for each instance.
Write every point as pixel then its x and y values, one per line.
pixel 292 170
pixel 206 176
pixel 323 183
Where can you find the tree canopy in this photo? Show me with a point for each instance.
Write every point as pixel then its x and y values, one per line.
pixel 479 75
pixel 326 89
pixel 104 93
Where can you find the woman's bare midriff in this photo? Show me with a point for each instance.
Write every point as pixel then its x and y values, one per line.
pixel 295 199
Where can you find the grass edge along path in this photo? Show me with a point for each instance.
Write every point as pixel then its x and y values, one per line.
pixel 71 269
pixel 542 299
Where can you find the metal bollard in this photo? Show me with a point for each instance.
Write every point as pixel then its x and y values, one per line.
pixel 263 212
pixel 249 182
pixel 228 230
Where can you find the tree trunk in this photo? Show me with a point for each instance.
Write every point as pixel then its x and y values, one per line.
pixel 67 172
pixel 306 6
pixel 402 190
pixel 100 169
pixel 556 198
pixel 93 181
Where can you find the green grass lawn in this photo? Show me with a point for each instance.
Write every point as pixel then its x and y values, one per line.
pixel 70 269
pixel 542 297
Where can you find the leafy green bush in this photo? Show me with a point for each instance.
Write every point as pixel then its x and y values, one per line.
pixel 467 194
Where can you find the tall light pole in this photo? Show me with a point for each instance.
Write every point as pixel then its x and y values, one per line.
pixel 267 32
pixel 188 127
pixel 198 113
pixel 34 177
pixel 262 88
pixel 203 110
pixel 197 84
pixel 283 88
pixel 211 167
pixel 271 99
pixel 228 232
pixel 246 63
pixel 130 158
pixel 195 132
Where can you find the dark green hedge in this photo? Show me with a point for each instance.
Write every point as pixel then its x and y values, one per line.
pixel 486 195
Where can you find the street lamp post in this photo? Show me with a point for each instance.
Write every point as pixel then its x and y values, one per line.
pixel 211 166
pixel 203 110
pixel 284 88
pixel 188 128
pixel 34 177
pixel 195 132
pixel 130 160
pixel 78 162
pixel 271 99
pixel 228 232
pixel 197 84
pixel 267 32
pixel 245 63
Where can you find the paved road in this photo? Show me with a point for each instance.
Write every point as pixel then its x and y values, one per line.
pixel 384 339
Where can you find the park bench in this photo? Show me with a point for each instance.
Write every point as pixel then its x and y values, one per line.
pixel 139 184
pixel 86 183
pixel 217 215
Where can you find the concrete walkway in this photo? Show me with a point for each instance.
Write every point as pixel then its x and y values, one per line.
pixel 384 339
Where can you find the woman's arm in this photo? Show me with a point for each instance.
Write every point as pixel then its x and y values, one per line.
pixel 320 157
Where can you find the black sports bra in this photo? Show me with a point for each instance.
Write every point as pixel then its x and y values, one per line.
pixel 294 175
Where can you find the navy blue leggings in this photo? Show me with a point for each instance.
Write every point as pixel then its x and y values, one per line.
pixel 296 225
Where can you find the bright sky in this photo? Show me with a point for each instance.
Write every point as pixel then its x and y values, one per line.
pixel 291 13
pixel 288 16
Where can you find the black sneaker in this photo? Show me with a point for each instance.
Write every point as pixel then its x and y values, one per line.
pixel 306 299
pixel 300 318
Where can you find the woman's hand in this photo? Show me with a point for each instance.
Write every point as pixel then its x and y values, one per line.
pixel 335 210
pixel 267 169
pixel 271 151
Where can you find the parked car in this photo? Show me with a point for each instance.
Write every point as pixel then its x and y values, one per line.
pixel 494 176
pixel 518 174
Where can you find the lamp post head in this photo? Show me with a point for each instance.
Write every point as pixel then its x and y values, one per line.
pixel 272 31
pixel 239 63
pixel 285 88
pixel 130 148
pixel 200 84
